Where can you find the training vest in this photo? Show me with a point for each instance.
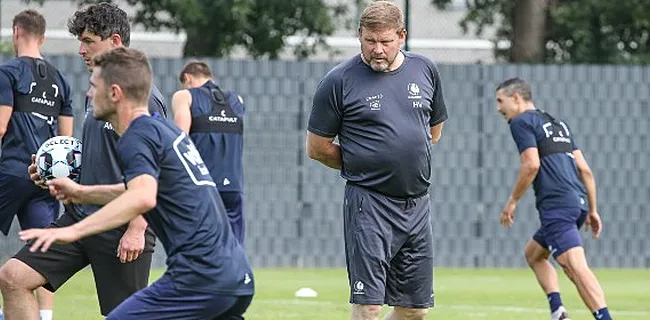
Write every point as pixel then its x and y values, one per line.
pixel 557 136
pixel 221 119
pixel 44 95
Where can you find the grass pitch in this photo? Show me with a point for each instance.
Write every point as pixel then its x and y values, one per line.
pixel 461 294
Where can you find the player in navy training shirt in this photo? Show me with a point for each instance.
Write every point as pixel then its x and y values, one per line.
pixel 562 179
pixel 208 275
pixel 120 258
pixel 214 120
pixel 35 105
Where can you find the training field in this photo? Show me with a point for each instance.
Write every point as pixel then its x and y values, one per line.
pixel 504 294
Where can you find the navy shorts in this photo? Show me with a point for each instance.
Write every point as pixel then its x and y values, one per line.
pixel 162 300
pixel 388 249
pixel 560 230
pixel 234 203
pixel 34 206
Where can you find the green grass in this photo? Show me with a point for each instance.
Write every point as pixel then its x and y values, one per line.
pixel 460 294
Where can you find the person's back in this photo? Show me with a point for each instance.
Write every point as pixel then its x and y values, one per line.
pixel 565 190
pixel 217 131
pixel 557 184
pixel 40 95
pixel 35 105
pixel 189 218
pixel 214 120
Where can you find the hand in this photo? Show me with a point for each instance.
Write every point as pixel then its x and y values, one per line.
pixel 32 170
pixel 65 190
pixel 508 214
pixel 593 221
pixel 131 246
pixel 44 238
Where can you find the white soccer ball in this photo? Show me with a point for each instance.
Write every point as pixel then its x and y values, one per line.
pixel 59 157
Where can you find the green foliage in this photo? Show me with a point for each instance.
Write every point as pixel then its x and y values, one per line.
pixel 216 28
pixel 578 31
pixel 6 48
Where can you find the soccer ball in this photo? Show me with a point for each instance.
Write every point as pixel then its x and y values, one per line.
pixel 59 157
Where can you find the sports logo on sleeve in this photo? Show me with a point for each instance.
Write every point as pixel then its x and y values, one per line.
pixel 192 161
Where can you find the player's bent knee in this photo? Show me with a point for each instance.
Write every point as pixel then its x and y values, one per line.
pixel 10 276
pixel 411 313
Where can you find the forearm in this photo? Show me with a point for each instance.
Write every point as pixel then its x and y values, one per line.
pixel 101 194
pixel 116 213
pixel 331 156
pixel 65 126
pixel 138 224
pixel 525 178
pixel 590 185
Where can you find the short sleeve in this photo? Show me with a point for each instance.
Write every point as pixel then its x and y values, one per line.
pixel 66 108
pixel 6 88
pixel 327 108
pixel 523 134
pixel 438 106
pixel 138 154
pixel 156 103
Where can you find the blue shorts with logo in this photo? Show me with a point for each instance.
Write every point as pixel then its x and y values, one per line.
pixel 162 300
pixel 388 248
pixel 34 206
pixel 560 230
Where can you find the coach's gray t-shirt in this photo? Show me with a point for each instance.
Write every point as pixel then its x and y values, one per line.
pixel 383 122
pixel 99 164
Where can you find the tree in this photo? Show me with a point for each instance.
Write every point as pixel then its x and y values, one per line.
pixel 575 31
pixel 215 28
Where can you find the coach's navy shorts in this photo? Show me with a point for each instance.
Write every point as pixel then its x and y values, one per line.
pixel 162 300
pixel 34 206
pixel 560 230
pixel 388 248
pixel 234 203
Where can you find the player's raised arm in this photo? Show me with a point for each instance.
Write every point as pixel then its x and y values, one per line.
pixel 139 198
pixel 69 191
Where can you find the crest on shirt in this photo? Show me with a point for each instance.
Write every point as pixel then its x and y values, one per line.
pixel 375 101
pixel 413 91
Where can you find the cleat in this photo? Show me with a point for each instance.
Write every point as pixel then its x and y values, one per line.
pixel 560 314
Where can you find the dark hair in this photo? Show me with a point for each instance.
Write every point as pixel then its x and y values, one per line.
pixel 127 68
pixel 102 19
pixel 195 68
pixel 31 22
pixel 516 85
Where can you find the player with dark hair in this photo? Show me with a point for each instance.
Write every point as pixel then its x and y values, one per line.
pixel 120 258
pixel 208 274
pixel 562 179
pixel 35 105
pixel 214 120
